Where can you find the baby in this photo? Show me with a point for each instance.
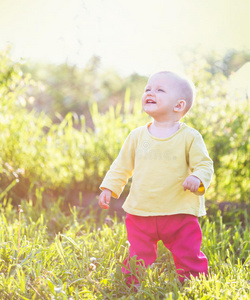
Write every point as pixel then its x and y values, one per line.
pixel 171 172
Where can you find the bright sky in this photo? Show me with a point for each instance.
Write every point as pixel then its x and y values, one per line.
pixel 130 36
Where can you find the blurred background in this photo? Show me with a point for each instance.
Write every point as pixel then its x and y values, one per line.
pixel 71 78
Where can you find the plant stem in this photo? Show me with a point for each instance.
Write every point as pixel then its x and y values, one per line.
pixel 19 227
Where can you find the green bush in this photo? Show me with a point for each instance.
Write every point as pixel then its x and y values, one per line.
pixel 224 122
pixel 35 153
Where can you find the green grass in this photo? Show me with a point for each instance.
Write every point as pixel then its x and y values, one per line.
pixel 79 256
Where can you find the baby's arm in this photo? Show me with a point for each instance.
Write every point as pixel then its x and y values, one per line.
pixel 200 165
pixel 119 173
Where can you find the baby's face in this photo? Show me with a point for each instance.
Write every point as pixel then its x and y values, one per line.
pixel 160 96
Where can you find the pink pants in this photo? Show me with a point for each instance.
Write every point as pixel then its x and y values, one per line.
pixel 180 233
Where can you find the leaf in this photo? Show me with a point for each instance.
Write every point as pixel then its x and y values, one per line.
pixel 51 286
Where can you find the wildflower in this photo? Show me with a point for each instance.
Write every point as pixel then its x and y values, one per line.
pixel 92 259
pixel 92 267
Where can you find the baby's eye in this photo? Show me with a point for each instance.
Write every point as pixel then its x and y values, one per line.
pixel 147 90
pixel 160 90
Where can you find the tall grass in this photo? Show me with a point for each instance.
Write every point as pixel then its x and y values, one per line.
pixel 35 153
pixel 80 258
pixel 60 158
pixel 48 254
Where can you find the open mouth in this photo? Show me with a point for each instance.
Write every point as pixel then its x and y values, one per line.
pixel 150 101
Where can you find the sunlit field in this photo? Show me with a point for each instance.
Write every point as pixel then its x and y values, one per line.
pixel 80 257
pixel 53 243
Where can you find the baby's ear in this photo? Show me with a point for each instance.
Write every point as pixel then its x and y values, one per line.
pixel 180 105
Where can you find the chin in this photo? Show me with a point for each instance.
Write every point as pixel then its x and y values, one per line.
pixel 150 113
pixel 146 110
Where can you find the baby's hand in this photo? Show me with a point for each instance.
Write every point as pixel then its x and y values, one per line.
pixel 104 198
pixel 191 183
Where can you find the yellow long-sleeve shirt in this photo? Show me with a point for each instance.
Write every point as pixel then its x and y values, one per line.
pixel 159 167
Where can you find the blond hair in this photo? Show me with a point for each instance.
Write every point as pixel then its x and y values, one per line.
pixel 185 88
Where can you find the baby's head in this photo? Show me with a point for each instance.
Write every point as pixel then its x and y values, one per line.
pixel 183 87
pixel 167 88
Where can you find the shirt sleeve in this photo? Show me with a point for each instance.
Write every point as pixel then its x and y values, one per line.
pixel 121 169
pixel 201 165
